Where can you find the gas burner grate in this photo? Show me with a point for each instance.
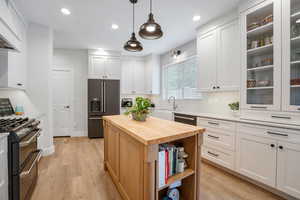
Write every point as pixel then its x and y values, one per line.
pixel 7 125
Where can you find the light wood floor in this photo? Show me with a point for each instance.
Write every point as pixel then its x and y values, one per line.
pixel 75 172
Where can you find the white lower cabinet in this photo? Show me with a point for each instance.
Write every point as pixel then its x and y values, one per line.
pixel 3 168
pixel 224 158
pixel 256 158
pixel 265 154
pixel 288 172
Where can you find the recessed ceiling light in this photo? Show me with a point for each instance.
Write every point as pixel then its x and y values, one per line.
pixel 196 18
pixel 115 26
pixel 65 11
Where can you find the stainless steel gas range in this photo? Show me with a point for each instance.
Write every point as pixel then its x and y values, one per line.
pixel 23 153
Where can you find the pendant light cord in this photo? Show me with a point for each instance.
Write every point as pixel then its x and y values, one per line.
pixel 133 18
pixel 150 6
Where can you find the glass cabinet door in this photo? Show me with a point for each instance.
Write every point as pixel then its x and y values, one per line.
pixel 261 63
pixel 291 55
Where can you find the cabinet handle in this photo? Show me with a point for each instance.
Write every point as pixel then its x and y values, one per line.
pixel 280 147
pixel 19 84
pixel 214 137
pixel 218 87
pixel 280 117
pixel 259 107
pixel 213 154
pixel 186 118
pixel 214 123
pixel 272 145
pixel 275 133
pixel 214 87
pixel 298 109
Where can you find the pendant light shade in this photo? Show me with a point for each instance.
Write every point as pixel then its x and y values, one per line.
pixel 133 44
pixel 151 30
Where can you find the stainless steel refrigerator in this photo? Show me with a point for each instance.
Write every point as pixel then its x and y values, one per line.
pixel 103 99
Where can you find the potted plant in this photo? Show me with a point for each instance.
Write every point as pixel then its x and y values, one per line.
pixel 140 109
pixel 235 107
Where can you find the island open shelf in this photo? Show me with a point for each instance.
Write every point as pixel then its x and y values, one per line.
pixel 131 151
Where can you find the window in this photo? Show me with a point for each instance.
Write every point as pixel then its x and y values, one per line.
pixel 181 79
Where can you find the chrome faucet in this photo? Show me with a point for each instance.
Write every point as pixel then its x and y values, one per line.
pixel 174 102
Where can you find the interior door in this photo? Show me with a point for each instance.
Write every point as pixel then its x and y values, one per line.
pixel 288 173
pixel 207 51
pixel 256 158
pixel 62 92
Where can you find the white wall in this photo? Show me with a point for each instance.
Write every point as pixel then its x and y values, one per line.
pixel 78 61
pixel 40 51
pixel 21 98
pixel 216 102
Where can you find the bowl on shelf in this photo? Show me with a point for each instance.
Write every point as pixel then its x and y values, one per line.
pixel 264 83
pixel 295 81
pixel 251 83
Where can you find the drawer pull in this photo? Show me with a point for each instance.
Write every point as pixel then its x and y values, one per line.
pixel 259 107
pixel 27 142
pixel 279 134
pixel 212 136
pixel 280 117
pixel 298 109
pixel 213 154
pixel 187 118
pixel 37 158
pixel 214 123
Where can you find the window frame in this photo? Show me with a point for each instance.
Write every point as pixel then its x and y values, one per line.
pixel 164 80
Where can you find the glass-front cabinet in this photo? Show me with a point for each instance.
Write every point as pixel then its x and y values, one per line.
pixel 291 55
pixel 261 59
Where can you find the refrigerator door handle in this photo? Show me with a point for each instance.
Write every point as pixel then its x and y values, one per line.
pixel 104 96
pixel 101 88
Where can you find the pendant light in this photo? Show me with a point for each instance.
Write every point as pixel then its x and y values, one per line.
pixel 151 30
pixel 133 44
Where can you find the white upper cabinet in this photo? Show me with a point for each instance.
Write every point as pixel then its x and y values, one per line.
pixel 152 74
pixel 219 63
pixel 228 71
pixel 104 67
pixel 207 52
pixel 261 56
pixel 133 76
pixel 288 172
pixel 14 63
pixel 291 55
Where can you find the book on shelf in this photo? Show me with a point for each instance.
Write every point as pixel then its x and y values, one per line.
pixel 167 162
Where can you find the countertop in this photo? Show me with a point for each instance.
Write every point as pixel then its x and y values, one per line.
pixel 154 130
pixel 240 120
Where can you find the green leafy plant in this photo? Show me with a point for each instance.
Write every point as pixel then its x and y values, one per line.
pixel 234 106
pixel 140 109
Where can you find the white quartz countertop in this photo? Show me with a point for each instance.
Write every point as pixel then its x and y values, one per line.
pixel 238 119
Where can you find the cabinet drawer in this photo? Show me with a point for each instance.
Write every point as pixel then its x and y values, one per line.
pixel 223 158
pixel 223 140
pixel 275 117
pixel 217 124
pixel 282 134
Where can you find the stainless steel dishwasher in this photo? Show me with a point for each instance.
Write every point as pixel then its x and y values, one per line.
pixel 186 119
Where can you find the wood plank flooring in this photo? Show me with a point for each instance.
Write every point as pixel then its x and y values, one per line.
pixel 75 172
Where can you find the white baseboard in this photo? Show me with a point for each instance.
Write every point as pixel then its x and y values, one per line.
pixel 79 134
pixel 48 151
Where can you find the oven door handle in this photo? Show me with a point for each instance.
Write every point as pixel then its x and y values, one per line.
pixel 37 158
pixel 27 142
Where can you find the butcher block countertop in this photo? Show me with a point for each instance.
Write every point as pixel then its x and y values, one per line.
pixel 154 130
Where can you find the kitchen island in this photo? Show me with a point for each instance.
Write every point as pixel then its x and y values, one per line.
pixel 131 151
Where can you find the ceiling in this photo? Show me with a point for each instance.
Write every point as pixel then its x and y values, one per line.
pixel 89 25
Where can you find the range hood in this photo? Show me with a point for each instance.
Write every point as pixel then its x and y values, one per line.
pixel 5 45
